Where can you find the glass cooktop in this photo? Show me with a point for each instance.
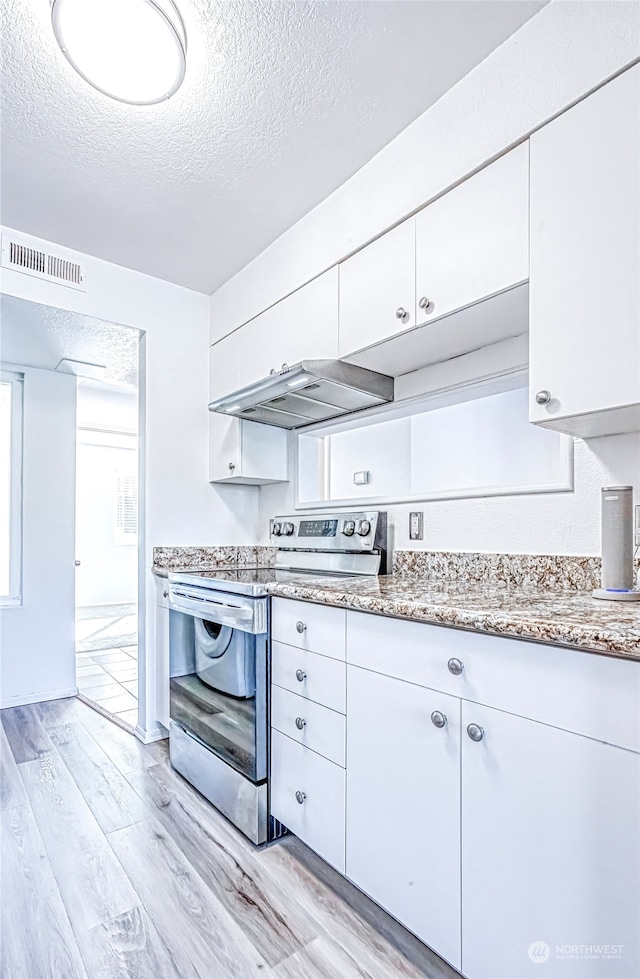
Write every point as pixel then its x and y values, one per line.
pixel 246 581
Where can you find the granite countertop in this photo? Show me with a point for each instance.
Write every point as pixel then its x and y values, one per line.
pixel 567 618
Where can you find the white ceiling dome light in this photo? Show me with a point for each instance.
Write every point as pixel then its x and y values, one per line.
pixel 134 51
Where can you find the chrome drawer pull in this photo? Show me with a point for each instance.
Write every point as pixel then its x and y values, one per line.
pixel 475 732
pixel 301 627
pixel 300 797
pixel 301 675
pixel 455 666
pixel 300 723
pixel 438 718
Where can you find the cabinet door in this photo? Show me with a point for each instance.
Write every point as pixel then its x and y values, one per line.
pixel 376 285
pixel 224 447
pixel 474 241
pixel 223 367
pixel 585 261
pixel 309 321
pixel 307 795
pixel 163 615
pixel 550 852
pixel 260 347
pixel 403 804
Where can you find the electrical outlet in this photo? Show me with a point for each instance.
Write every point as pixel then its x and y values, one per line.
pixel 416 525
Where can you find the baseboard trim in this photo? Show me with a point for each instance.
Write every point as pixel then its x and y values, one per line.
pixel 39 698
pixel 156 733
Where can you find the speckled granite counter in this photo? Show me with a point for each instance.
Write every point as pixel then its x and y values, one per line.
pixel 567 618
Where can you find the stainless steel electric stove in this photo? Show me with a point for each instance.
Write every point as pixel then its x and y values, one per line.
pixel 220 656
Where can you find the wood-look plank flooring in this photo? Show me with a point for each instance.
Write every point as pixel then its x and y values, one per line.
pixel 113 867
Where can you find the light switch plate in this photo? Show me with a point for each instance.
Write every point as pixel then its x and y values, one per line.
pixel 416 525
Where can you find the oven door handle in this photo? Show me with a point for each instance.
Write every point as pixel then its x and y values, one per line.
pixel 246 618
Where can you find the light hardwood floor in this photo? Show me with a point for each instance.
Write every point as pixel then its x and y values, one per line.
pixel 113 866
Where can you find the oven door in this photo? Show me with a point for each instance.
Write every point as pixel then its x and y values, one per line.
pixel 218 670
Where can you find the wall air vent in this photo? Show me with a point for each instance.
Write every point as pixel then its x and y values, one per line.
pixel 19 255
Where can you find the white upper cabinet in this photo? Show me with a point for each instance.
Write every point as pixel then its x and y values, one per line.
pixel 304 326
pixel 469 245
pixel 223 366
pixel 474 241
pixel 378 290
pixel 585 264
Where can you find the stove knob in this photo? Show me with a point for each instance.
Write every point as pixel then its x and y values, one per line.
pixel 349 528
pixel 288 529
pixel 364 527
pixel 277 529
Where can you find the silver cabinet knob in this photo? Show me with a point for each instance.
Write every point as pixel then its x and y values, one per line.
pixel 301 675
pixel 543 397
pixel 300 723
pixel 232 466
pixel 425 303
pixel 300 797
pixel 438 719
pixel 165 594
pixel 402 314
pixel 273 371
pixel 475 732
pixel 285 367
pixel 301 627
pixel 456 666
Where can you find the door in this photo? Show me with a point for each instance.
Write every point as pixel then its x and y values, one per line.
pixel 550 852
pixel 378 290
pixel 474 241
pixel 403 804
pixel 585 257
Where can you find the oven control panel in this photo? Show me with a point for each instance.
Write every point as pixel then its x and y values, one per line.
pixel 363 530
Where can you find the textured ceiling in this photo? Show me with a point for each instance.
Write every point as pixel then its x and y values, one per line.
pixel 282 102
pixel 33 335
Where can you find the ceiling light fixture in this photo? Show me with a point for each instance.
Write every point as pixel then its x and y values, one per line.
pixel 134 51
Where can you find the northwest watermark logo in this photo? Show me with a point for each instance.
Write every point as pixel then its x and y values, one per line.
pixel 539 952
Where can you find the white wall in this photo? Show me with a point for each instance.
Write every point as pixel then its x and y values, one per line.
pixel 550 523
pixel 565 51
pixel 181 508
pixel 37 639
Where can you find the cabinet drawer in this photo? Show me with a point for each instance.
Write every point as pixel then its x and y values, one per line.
pixel 586 693
pixel 323 680
pixel 317 727
pixel 319 819
pixel 318 628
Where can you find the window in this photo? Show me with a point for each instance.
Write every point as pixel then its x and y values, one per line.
pixel 480 446
pixel 11 387
pixel 126 508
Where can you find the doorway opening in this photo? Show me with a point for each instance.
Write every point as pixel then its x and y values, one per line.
pixel 106 627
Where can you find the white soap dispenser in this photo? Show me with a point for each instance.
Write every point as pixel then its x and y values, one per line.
pixel 618 578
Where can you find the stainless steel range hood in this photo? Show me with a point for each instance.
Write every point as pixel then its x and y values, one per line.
pixel 312 391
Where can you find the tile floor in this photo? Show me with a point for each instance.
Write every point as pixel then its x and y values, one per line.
pixel 107 660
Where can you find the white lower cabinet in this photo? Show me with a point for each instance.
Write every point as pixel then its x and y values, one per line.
pixel 403 804
pixel 307 795
pixel 550 852
pixel 500 827
pixel 162 657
